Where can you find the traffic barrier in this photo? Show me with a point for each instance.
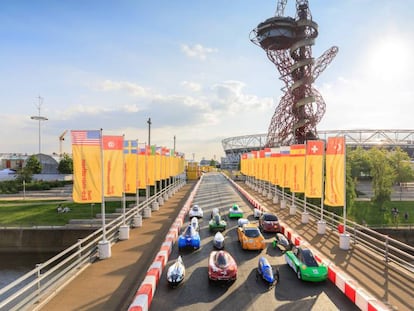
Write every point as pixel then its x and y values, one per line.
pixel 145 293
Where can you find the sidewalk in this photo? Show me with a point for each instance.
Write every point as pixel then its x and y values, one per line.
pixel 388 282
pixel 111 284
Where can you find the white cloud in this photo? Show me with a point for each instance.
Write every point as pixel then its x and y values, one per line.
pixel 197 51
pixel 131 88
pixel 193 86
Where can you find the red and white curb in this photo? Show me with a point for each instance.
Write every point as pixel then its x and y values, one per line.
pixel 348 286
pixel 146 291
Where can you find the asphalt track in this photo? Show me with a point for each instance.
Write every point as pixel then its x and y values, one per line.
pixel 247 292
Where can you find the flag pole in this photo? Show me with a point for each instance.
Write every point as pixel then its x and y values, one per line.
pixel 104 247
pixel 137 177
pixel 344 146
pixel 323 181
pixel 103 192
pixel 123 182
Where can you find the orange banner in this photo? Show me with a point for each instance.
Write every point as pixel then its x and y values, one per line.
pixel 335 172
pixel 87 166
pixel 315 150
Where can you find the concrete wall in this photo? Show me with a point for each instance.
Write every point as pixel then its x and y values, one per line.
pixel 39 240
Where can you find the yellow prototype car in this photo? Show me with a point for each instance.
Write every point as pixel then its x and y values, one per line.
pixel 250 237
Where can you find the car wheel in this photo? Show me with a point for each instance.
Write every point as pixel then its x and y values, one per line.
pixel 299 275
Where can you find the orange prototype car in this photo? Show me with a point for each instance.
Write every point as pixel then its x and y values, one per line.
pixel 250 237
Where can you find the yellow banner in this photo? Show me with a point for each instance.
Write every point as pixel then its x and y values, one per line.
pixel 87 166
pixel 315 150
pixel 142 172
pixel 335 172
pixel 113 165
pixel 297 168
pixel 151 170
pixel 131 163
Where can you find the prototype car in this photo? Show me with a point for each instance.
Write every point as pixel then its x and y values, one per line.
pixel 194 223
pixel 235 211
pixel 269 223
pixel 217 223
pixel 302 261
pixel 218 241
pixel 250 237
pixel 265 271
pixel 221 266
pixel 190 238
pixel 195 211
pixel 242 221
pixel 176 273
pixel 281 242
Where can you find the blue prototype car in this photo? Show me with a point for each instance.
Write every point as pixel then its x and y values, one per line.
pixel 265 271
pixel 189 238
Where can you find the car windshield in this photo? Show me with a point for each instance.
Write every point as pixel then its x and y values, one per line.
pixel 195 208
pixel 235 207
pixel 189 231
pixel 308 258
pixel 270 217
pixel 252 232
pixel 217 219
pixel 221 259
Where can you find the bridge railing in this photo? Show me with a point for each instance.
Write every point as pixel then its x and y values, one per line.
pixel 387 248
pixel 36 287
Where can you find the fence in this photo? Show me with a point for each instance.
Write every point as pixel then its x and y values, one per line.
pixel 29 290
pixel 388 249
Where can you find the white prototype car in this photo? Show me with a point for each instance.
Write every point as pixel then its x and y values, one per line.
pixel 195 211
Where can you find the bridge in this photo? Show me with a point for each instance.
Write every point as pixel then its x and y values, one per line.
pixel 363 276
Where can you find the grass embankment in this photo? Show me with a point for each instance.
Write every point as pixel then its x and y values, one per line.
pixel 367 212
pixel 44 213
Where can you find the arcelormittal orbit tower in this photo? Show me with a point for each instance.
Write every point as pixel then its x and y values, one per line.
pixel 288 44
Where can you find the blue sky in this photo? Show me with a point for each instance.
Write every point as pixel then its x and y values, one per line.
pixel 191 68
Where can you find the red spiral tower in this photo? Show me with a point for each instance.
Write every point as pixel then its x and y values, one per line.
pixel 288 44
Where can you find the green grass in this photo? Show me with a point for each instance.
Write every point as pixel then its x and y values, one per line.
pixel 373 215
pixel 44 213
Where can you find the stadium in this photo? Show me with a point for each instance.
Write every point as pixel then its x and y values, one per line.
pixel 234 147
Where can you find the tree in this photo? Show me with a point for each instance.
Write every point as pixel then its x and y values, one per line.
pixel 359 162
pixel 32 166
pixel 400 161
pixel 383 176
pixel 66 165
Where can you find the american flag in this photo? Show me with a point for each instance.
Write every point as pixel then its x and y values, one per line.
pixel 86 138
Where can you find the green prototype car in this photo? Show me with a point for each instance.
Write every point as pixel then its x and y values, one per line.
pixel 302 261
pixel 217 223
pixel 235 211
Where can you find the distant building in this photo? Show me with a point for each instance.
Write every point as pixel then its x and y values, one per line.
pixel 17 161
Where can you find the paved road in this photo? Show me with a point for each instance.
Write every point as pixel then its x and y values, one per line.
pixel 246 293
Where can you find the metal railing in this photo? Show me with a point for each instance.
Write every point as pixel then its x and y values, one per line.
pixel 387 248
pixel 36 287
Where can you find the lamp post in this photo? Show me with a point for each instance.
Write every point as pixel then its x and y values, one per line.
pixel 40 119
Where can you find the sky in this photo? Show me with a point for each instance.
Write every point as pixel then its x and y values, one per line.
pixel 190 67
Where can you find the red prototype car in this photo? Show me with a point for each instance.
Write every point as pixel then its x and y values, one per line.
pixel 269 223
pixel 221 266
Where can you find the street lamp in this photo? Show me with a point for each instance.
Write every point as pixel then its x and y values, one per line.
pixel 40 119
